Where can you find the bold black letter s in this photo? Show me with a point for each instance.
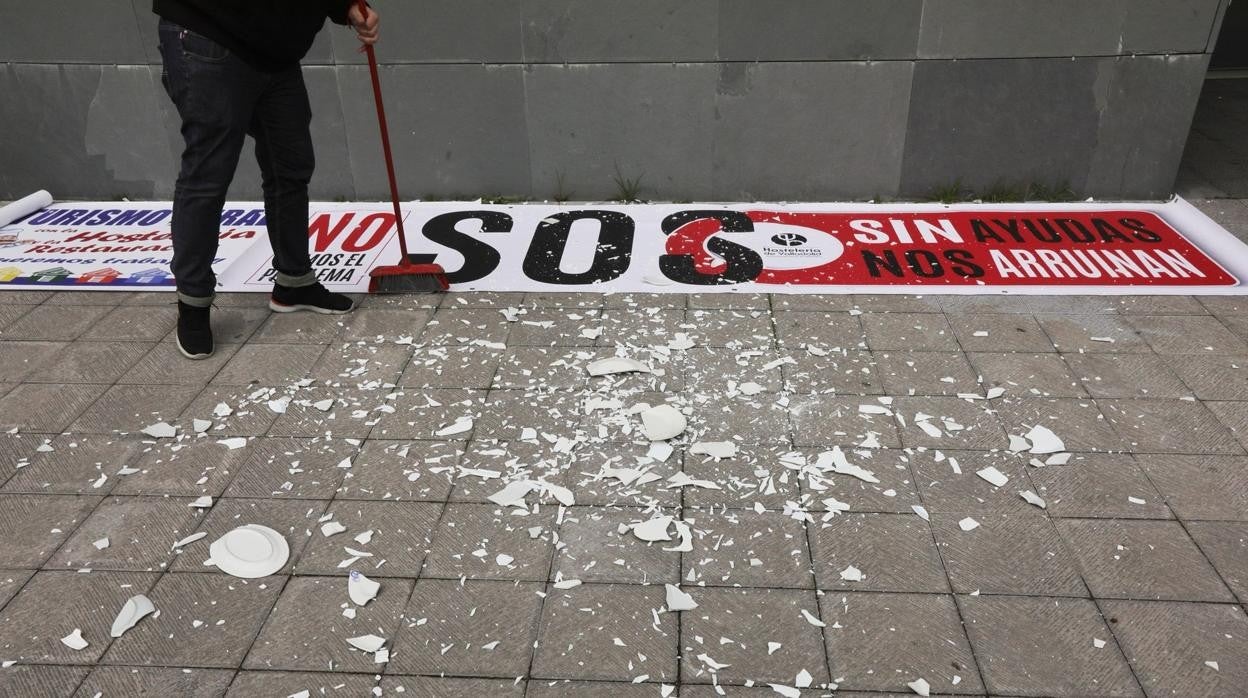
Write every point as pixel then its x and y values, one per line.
pixel 480 260
pixel 744 264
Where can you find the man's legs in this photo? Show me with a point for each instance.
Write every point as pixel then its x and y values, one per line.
pixel 214 93
pixel 281 127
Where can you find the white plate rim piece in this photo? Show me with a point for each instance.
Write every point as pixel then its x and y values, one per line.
pixel 229 562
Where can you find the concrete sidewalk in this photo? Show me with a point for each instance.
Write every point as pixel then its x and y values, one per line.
pixel 1131 582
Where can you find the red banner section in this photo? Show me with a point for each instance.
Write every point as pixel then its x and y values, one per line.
pixel 980 248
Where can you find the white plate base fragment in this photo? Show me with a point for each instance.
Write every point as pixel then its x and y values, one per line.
pixel 250 551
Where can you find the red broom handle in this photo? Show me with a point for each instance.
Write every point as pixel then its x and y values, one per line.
pixel 385 136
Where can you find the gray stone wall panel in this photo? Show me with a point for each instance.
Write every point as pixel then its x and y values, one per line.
pixel 1169 26
pixel 810 131
pixel 595 31
pixel 441 31
pixel 70 31
pixel 818 30
pixel 1020 28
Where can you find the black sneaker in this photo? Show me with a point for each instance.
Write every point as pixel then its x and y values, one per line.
pixel 316 298
pixel 194 331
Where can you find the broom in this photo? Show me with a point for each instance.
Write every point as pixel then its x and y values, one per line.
pixel 407 275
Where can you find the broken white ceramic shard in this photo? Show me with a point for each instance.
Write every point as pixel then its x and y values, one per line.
pixel 930 429
pixel 968 524
pixel 364 538
pixel 367 643
pixel 203 502
pixel 324 405
pixel 101 543
pixel 803 679
pixel 662 423
pixel 616 364
pixel 994 393
pixel 681 479
pixel 1057 459
pixel 874 409
pixel 841 465
pixel 1034 499
pixel 561 494
pixel 279 405
pixel 786 691
pixel 715 449
pixel 222 410
pixel 250 551
pixel 660 451
pixel 835 506
pixel 332 528
pixel 678 600
pixel 135 608
pixel 653 530
pixel 513 494
pixel 190 539
pixel 680 342
pixel 852 574
pixel 233 444
pixel 1098 643
pixel 921 687
pixel 813 620
pixel 1043 440
pixel 1018 444
pixel 921 511
pixel 361 589
pixel 461 425
pixel 1213 665
pixel 1107 340
pixel 161 430
pixel 992 476
pixel 749 389
pixel 74 640
pixel 200 426
pixel 773 647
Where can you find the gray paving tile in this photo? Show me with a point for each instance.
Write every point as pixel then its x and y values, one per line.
pixel 895 552
pixel 554 299
pixel 579 628
pixel 353 413
pixel 90 362
pixel 714 369
pixel 360 363
pixel 19 359
pixel 1168 645
pixel 1017 553
pixel 269 364
pixel 514 459
pixel 908 331
pixel 1169 426
pixel 628 327
pixel 401 470
pixel 1153 560
pixel 894 493
pixel 420 414
pixel 1078 423
pixel 541 369
pixel 285 683
pixel 429 687
pixel 881 642
pixel 36 680
pixel 555 327
pixel 165 365
pixel 401 535
pixel 572 689
pixel 1184 334
pixel 46 408
pixel 1027 305
pixel 896 303
pixel 1200 487
pixel 1127 376
pixel 1005 333
pixel 292 468
pixel 206 620
pixel 506 413
pixel 111 298
pixel 450 325
pixel 748 549
pixel 16 451
pixel 470 538
pixel 795 330
pixel 1072 334
pixel 75 465
pixel 822 421
pixel 729 301
pixel 134 324
pixel 947 491
pixel 754 475
pixel 193 469
pixel 1225 543
pixel 451 367
pixel 980 427
pixel 595 550
pixel 36 525
pixel 139 530
pixel 233 325
pixel 730 328
pixel 130 408
pixel 475 629
pixel 10 313
pixel 759 419
pixel 750 618
pixel 1232 415
pixel 849 373
pixel 1045 375
pixel 482 299
pixel 384 324
pixel 926 373
pixel 642 301
pixel 307 631
pixel 584 468
pixel 300 328
pixel 1099 486
pixel 1214 377
pixel 1158 305
pixel 247 417
pixel 297 521
pixel 55 322
pixel 129 681
pixel 52 604
pixel 1037 646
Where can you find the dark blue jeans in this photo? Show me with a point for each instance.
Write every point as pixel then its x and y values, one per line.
pixel 221 100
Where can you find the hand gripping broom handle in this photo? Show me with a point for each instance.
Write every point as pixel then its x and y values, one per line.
pixel 385 137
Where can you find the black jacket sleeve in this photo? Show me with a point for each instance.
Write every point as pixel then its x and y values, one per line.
pixel 338 11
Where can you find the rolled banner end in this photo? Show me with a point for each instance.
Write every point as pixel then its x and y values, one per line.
pixel 24 206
